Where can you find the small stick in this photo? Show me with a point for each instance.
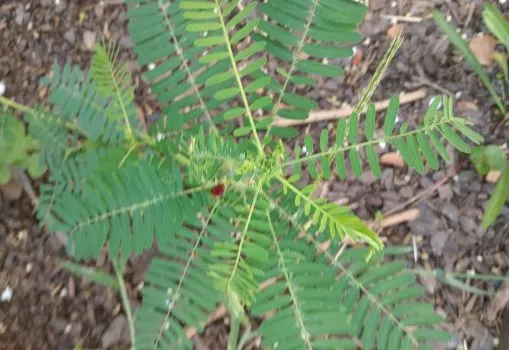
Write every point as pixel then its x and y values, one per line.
pixel 321 116
pixel 23 179
pixel 398 218
pixel 421 195
pixel 216 315
pixel 409 19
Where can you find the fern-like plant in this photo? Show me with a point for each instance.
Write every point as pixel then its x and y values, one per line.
pixel 213 185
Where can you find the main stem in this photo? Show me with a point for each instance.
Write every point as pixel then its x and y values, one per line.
pixel 125 302
pixel 234 332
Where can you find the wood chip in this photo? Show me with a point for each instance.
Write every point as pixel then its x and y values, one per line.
pixel 395 30
pixel 483 47
pixel 393 159
pixel 12 190
pixel 498 303
pixel 404 216
pixel 493 176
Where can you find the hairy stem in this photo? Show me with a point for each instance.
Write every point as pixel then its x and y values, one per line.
pixel 125 301
pixel 234 332
pixel 387 139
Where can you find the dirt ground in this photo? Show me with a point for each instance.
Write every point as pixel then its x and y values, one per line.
pixel 50 309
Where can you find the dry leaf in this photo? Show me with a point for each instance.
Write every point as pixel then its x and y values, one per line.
pixel 357 57
pixel 393 159
pixel 498 302
pixel 483 47
pixel 467 106
pixel 493 176
pixel 395 30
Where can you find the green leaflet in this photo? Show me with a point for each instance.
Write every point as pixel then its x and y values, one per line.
pixel 419 147
pixel 497 200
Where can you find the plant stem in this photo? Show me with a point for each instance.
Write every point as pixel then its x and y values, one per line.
pixel 237 78
pixel 125 301
pixel 247 335
pixel 234 332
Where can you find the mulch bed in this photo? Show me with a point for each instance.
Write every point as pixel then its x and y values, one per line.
pixel 50 309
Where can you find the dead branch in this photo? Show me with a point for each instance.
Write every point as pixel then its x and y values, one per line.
pixel 321 116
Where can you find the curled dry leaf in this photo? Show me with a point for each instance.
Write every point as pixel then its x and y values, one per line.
pixel 493 176
pixel 483 47
pixel 393 159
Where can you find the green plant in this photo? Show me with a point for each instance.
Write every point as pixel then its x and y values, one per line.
pixel 493 158
pixel 18 149
pixel 213 184
pixel 490 157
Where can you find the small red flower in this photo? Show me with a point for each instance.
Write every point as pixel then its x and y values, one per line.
pixel 218 190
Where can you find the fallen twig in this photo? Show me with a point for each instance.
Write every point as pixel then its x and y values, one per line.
pixel 216 315
pixel 398 218
pixel 423 194
pixel 321 116
pixel 410 19
pixel 23 179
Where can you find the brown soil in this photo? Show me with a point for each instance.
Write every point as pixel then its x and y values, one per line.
pixel 50 309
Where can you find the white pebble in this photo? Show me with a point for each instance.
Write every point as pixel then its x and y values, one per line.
pixel 383 145
pixel 151 66
pixel 2 88
pixel 6 294
pixel 479 258
pixel 63 293
pixel 57 2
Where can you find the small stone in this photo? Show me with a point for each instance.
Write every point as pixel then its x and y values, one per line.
pixel 118 331
pixel 89 39
pixel 60 6
pixel 125 42
pixel 429 282
pixel 70 36
pixel 426 223
pixel 445 192
pixel 20 15
pixel 368 178
pixel 388 178
pixel 451 212
pixel 438 241
pixel 2 88
pixel 468 224
pixel 406 191
pixel 6 294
